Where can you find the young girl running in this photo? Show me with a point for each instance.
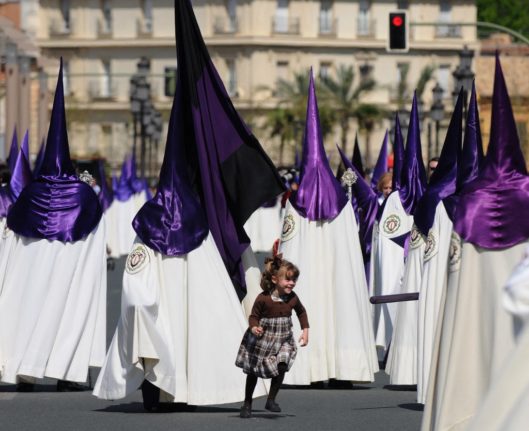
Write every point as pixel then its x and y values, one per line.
pixel 268 348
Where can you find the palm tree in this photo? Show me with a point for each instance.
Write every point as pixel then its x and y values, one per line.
pixel 345 98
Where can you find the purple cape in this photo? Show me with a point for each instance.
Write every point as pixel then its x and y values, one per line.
pixel 57 205
pixel 493 210
pixel 227 165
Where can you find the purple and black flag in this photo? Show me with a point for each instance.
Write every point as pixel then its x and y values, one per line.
pixel 227 165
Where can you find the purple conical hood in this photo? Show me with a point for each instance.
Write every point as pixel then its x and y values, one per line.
pixel 357 158
pixel 20 178
pixel 472 157
pixel 319 196
pixel 25 146
pixel 492 208
pixel 443 180
pixel 106 195
pixel 173 222
pixel 366 202
pixel 57 162
pixel 398 155
pixel 57 205
pixel 413 177
pixel 39 159
pixel 381 166
pixel 13 151
pixel 122 188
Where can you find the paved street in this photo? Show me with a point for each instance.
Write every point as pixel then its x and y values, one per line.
pixel 364 407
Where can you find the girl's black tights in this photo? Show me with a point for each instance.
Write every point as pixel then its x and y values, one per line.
pixel 251 382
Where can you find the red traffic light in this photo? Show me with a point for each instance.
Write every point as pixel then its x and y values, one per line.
pixel 397 21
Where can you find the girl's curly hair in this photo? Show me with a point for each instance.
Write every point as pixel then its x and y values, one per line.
pixel 273 265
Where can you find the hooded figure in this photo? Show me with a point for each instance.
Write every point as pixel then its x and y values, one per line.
pixel 320 235
pixel 381 166
pixel 13 152
pixel 491 240
pixel 391 234
pixel 425 247
pixel 179 311
pixel 52 318
pixel 137 185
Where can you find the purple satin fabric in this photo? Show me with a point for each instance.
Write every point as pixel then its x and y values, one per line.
pixel 443 180
pixel 413 178
pixel 320 196
pixel 218 149
pixel 122 188
pixel 39 160
pixel 357 158
pixel 56 206
pixel 381 166
pixel 493 209
pixel 64 209
pixel 398 155
pixel 106 196
pixel 13 152
pixel 472 157
pixel 270 204
pixel 367 207
pixel 173 222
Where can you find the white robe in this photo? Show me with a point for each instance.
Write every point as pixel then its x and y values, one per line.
pixel 388 266
pixel 180 328
pixel 120 216
pixel 475 339
pixel 53 307
pixel 506 406
pixel 332 287
pixel 434 279
pixel 402 357
pixel 264 227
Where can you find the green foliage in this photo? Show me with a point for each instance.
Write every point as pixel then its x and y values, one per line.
pixel 513 14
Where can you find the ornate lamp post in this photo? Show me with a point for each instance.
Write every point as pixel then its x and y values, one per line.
pixel 463 75
pixel 437 112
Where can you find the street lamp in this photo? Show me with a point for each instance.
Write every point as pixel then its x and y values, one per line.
pixel 437 112
pixel 463 75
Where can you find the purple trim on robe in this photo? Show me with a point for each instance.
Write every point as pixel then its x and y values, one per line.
pixel 443 180
pixel 320 196
pixel 493 208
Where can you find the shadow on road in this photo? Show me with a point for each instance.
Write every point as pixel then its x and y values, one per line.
pixel 416 407
pixel 408 388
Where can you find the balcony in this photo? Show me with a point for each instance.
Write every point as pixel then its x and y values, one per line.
pixel 225 25
pixel 285 25
pixel 365 27
pixel 328 26
pixel 60 28
pixel 144 27
pixel 104 28
pixel 102 90
pixel 448 31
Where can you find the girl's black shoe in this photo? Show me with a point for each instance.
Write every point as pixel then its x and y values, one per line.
pixel 151 396
pixel 272 406
pixel 246 411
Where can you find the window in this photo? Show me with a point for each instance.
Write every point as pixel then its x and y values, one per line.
pixel 364 18
pixel 147 15
pixel 232 77
pixel 170 81
pixel 282 71
pixel 443 77
pixel 445 12
pixel 403 4
pixel 65 12
pixel 402 72
pixel 326 17
pixel 106 80
pixel 366 71
pixel 325 70
pixel 281 18
pixel 232 15
pixel 107 15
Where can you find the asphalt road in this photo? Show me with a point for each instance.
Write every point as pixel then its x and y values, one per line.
pixel 374 406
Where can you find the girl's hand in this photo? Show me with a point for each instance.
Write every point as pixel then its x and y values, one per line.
pixel 257 331
pixel 304 339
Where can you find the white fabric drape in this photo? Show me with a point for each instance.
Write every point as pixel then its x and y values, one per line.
pixel 264 227
pixel 332 287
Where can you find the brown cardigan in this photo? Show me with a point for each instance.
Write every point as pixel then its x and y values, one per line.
pixel 265 306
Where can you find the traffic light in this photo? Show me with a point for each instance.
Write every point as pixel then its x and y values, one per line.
pixel 398 32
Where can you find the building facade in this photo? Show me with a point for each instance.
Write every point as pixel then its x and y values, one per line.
pixel 253 43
